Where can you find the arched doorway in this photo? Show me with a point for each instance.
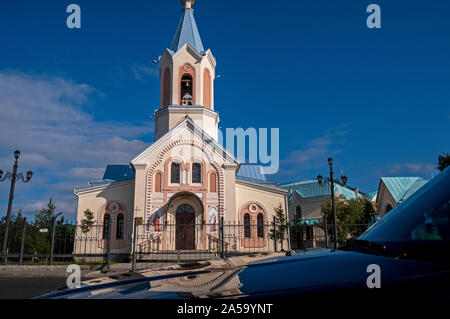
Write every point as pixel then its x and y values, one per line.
pixel 185 227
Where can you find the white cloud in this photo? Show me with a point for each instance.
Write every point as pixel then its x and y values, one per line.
pixel 411 168
pixel 141 71
pixel 314 153
pixel 90 174
pixel 44 117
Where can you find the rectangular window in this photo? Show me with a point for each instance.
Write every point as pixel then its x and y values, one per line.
pixel 196 173
pixel 175 173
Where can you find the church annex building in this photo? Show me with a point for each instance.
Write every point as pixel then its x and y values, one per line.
pixel 182 185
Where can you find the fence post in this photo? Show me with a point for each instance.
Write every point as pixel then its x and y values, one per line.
pixel 325 226
pixel 108 247
pixel 275 233
pixel 133 267
pixel 22 241
pixel 53 240
pixel 288 235
pixel 222 239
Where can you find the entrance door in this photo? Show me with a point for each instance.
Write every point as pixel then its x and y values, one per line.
pixel 185 234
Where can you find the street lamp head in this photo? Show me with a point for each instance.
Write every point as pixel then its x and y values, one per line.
pixel 1 173
pixel 29 175
pixel 330 161
pixel 344 179
pixel 16 154
pixel 320 179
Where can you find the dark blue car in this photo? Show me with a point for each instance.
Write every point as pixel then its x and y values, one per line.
pixel 404 256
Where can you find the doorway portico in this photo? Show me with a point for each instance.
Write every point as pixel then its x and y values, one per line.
pixel 186 212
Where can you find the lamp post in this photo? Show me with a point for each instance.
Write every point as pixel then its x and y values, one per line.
pixel 332 181
pixel 13 177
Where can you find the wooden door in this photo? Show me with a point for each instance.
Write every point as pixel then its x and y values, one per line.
pixel 185 230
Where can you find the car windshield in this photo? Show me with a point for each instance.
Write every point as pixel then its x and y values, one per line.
pixel 424 217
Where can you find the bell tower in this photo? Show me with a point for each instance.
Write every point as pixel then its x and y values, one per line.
pixel 187 73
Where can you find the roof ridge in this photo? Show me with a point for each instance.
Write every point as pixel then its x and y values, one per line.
pixel 299 182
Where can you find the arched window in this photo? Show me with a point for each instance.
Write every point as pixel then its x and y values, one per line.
pixel 196 173
pixel 247 226
pixel 106 226
pixel 260 221
pixel 175 173
pixel 207 88
pixel 158 183
pixel 186 90
pixel 298 212
pixel 213 183
pixel 185 209
pixel 120 226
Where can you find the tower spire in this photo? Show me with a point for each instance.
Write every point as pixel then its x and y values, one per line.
pixel 187 31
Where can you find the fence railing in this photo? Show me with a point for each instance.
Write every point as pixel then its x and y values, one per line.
pixel 150 243
pixel 193 242
pixel 320 234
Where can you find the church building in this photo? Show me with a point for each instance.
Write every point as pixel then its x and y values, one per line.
pixel 185 182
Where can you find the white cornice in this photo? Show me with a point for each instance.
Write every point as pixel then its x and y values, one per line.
pixel 211 58
pixel 179 109
pixel 95 189
pixel 189 49
pixel 261 187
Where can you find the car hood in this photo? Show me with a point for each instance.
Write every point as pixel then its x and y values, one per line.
pixel 302 273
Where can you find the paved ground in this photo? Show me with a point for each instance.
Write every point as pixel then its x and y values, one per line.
pixel 28 281
pixel 28 287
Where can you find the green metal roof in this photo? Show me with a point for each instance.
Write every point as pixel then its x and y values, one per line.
pixel 402 188
pixel 309 189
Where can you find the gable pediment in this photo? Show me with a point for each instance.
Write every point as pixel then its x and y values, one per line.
pixel 186 133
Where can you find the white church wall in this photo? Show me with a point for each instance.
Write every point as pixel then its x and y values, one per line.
pixel 97 200
pixel 266 198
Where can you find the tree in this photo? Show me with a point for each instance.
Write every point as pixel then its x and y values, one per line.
pixel 44 218
pixel 369 213
pixel 281 225
pixel 351 216
pixel 87 222
pixel 297 233
pixel 443 162
pixel 15 233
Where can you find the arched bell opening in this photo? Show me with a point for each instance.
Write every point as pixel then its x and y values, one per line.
pixel 187 85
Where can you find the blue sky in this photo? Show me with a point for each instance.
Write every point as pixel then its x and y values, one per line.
pixel 75 100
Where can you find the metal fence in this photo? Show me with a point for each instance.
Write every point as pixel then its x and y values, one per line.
pixel 34 244
pixel 194 242
pixel 153 243
pixel 320 234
